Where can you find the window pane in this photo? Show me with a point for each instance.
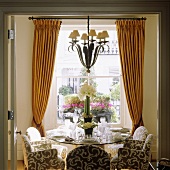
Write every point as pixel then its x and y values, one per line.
pixel 105 76
pixel 105 104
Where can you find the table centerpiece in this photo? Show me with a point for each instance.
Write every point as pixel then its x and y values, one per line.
pixel 86 93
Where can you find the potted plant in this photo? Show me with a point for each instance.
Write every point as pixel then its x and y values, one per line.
pixel 101 107
pixel 72 102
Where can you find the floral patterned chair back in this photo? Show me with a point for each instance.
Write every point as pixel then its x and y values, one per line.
pixel 148 142
pixel 33 134
pixel 164 164
pixel 140 133
pixel 40 160
pixel 42 143
pixel 88 157
pixel 138 158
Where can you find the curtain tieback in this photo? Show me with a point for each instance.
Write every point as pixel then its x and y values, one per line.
pixel 37 125
pixel 138 124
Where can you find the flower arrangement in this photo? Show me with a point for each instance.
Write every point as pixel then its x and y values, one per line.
pixel 86 90
pixel 85 93
pixel 87 125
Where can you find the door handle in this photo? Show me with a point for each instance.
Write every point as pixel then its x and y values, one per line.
pixel 19 132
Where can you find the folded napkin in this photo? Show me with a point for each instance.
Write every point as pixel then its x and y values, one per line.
pixel 117 136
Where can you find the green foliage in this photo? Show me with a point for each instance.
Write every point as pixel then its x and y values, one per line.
pixel 114 117
pixel 72 99
pixel 65 90
pixel 103 98
pixel 115 92
pixel 101 104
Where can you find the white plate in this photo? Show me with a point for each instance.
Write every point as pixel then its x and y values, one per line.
pixel 59 136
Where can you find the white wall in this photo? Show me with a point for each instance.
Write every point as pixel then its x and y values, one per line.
pixel 150 80
pixel 24 78
pixel 24 41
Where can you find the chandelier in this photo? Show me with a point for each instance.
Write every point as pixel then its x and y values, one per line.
pixel 91 47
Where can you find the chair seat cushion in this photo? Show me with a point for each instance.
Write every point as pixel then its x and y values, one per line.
pixel 41 147
pixel 113 149
pixel 115 158
pixel 62 150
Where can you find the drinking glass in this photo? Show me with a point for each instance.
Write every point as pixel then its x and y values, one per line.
pixel 75 117
pixel 102 120
pixel 102 129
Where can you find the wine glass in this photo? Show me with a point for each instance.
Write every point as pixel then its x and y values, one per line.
pixel 102 120
pixel 79 111
pixel 67 123
pixel 101 129
pixel 73 130
pixel 61 113
pixel 75 117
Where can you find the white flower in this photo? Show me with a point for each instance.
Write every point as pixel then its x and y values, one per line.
pixel 86 90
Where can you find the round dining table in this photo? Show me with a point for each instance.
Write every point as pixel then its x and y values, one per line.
pixel 86 141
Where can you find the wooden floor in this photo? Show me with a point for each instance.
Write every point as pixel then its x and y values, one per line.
pixel 20 165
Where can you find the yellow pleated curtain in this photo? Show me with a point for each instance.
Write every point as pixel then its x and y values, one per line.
pixel 43 59
pixel 131 40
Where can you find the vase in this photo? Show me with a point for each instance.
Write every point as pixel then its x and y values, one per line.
pixel 87 106
pixel 87 119
pixel 88 131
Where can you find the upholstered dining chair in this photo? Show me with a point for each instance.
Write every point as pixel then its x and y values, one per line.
pixel 41 160
pixel 41 143
pixel 88 157
pixel 164 164
pixel 133 155
pixel 140 134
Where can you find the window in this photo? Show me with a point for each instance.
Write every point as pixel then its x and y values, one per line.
pixel 105 76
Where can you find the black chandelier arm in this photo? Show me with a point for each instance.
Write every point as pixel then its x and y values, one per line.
pixel 80 54
pixel 108 48
pixel 86 56
pixel 71 46
pixel 91 48
pixel 96 53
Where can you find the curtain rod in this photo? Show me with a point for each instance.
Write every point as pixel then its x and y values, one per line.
pixel 37 18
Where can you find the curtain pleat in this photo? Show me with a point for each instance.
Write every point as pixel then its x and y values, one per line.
pixel 131 40
pixel 43 59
